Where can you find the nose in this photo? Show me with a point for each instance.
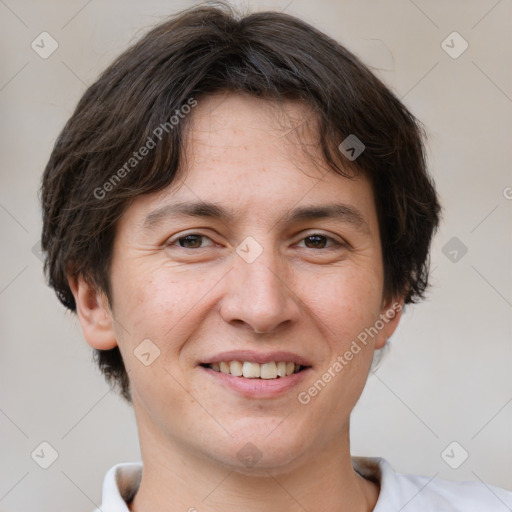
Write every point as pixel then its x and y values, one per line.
pixel 259 295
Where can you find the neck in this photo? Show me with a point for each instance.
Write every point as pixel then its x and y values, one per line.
pixel 177 479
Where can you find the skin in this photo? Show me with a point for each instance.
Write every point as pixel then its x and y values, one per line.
pixel 308 296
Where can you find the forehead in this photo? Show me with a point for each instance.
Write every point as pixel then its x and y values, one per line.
pixel 224 109
pixel 238 126
pixel 250 154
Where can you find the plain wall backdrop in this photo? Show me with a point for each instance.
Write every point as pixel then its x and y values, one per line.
pixel 447 377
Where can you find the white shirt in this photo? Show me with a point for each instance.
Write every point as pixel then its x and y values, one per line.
pixel 407 493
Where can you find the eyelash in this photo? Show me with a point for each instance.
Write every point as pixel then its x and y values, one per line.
pixel 335 243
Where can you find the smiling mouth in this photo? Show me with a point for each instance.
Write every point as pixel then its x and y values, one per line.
pixel 252 370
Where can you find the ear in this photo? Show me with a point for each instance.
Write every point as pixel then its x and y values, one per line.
pixel 390 315
pixel 93 313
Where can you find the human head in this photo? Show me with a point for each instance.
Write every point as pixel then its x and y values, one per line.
pixel 197 53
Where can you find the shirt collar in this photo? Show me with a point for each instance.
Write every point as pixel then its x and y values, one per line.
pixel 120 485
pixel 122 482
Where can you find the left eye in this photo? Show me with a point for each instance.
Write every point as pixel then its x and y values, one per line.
pixel 190 241
pixel 318 241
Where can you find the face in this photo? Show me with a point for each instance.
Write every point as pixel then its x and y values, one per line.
pixel 282 266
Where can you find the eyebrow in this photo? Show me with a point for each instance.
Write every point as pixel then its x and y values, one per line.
pixel 202 209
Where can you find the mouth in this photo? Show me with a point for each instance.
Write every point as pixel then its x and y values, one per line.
pixel 253 370
pixel 255 374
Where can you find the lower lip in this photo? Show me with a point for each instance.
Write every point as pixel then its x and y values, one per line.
pixel 258 388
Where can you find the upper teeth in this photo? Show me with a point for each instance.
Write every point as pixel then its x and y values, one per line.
pixel 252 370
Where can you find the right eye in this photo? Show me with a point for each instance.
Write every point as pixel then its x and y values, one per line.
pixel 192 241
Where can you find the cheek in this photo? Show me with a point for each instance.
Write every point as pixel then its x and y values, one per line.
pixel 348 302
pixel 349 305
pixel 157 303
pixel 155 315
pixel 142 303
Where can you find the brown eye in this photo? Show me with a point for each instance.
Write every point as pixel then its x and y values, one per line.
pixel 318 241
pixel 190 241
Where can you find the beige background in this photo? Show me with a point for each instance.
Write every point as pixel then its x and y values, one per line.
pixel 447 377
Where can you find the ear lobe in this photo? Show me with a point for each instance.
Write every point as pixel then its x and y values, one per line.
pixel 389 319
pixel 93 313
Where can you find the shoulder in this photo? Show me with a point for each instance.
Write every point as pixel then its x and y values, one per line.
pixel 423 493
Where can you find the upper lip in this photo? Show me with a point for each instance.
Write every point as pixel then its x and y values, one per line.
pixel 257 357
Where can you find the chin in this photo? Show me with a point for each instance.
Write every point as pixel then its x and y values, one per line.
pixel 258 451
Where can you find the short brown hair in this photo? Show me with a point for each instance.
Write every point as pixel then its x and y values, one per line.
pixel 198 52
